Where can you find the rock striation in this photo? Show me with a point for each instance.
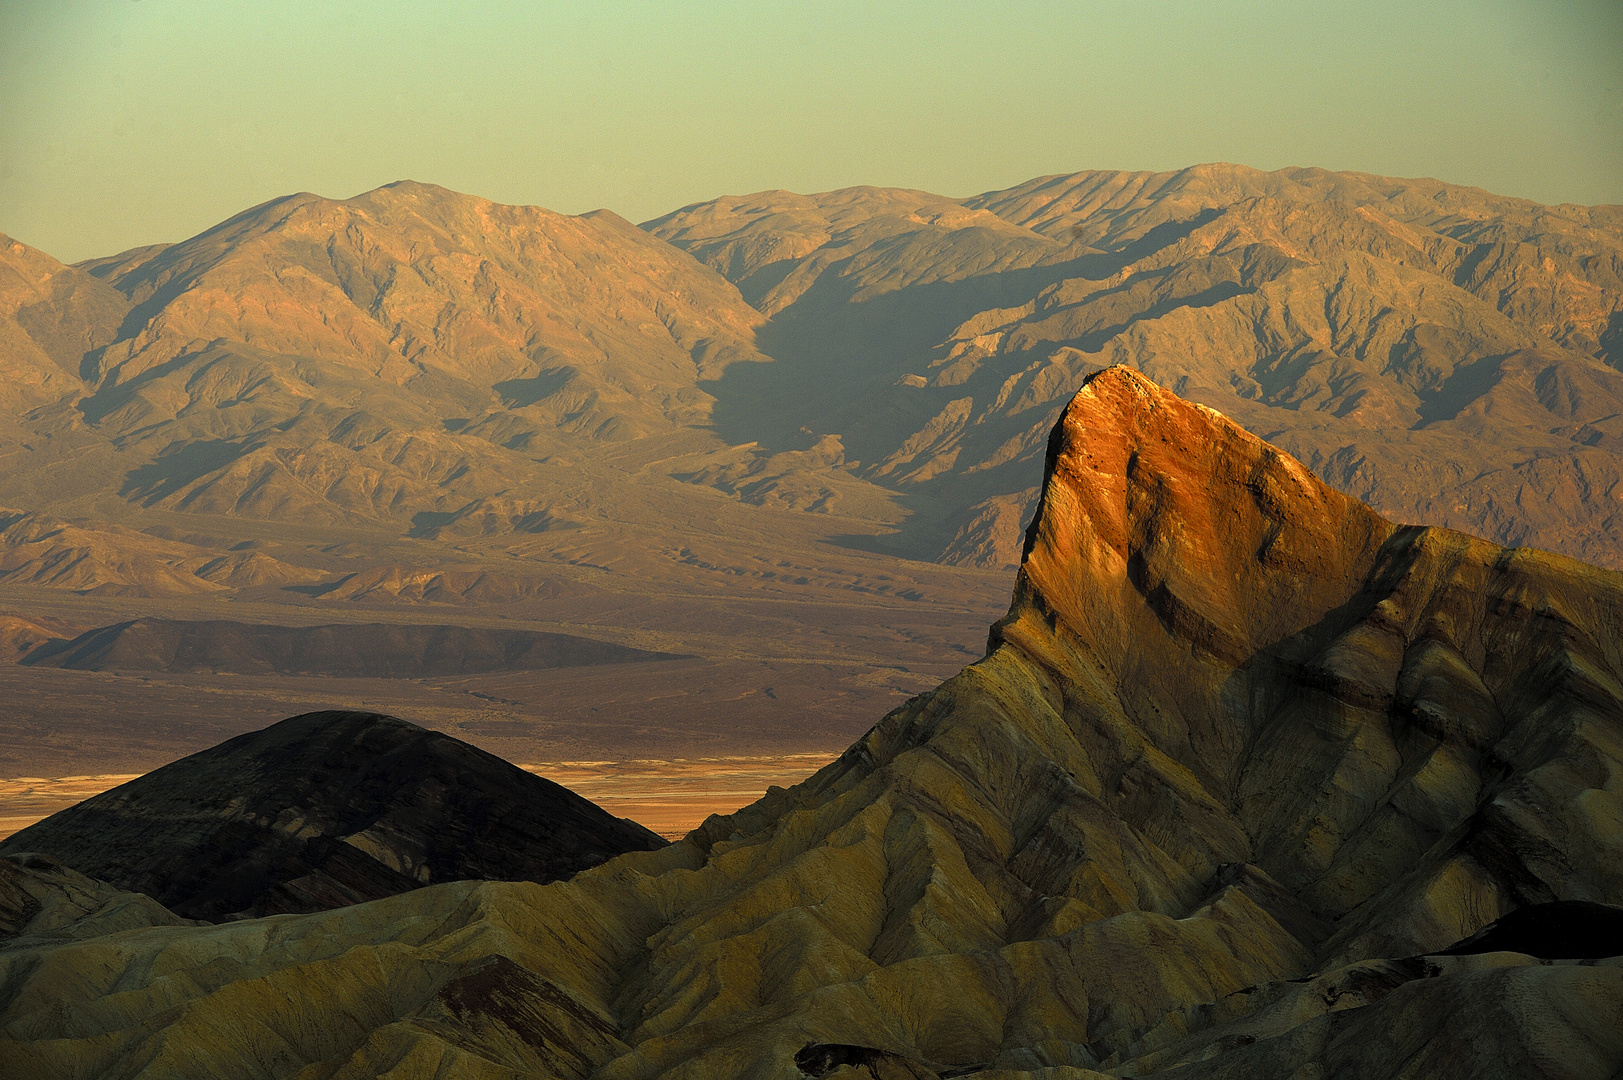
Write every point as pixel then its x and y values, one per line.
pixel 324 810
pixel 1240 766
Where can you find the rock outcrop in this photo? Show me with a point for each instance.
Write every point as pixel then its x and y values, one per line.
pixel 324 810
pixel 1242 762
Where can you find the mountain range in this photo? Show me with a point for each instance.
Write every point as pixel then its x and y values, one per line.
pixel 1250 782
pixel 794 438
pixel 433 363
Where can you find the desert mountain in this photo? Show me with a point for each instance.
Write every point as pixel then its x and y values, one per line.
pixel 261 405
pixel 346 358
pixel 434 364
pixel 412 379
pixel 1242 765
pixel 323 408
pixel 1445 354
pixel 794 437
pixel 324 810
pixel 51 317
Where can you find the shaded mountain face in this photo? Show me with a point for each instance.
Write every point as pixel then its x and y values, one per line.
pixel 324 810
pixel 51 317
pixel 1445 354
pixel 1242 761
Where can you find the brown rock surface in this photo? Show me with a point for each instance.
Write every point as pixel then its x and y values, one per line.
pixel 1241 760
pixel 41 901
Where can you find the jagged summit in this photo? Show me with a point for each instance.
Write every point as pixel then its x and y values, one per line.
pixel 1241 762
pixel 1150 498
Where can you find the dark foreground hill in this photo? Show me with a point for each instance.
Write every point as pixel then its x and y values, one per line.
pixel 1242 762
pixel 323 810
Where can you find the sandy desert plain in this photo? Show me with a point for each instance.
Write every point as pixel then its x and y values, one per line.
pixel 771 680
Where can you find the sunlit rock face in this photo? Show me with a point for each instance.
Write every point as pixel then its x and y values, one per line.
pixel 1240 762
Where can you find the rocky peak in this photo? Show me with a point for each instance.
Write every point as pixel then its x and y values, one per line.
pixel 1154 501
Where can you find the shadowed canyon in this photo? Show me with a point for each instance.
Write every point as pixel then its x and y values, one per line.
pixel 786 442
pixel 1250 781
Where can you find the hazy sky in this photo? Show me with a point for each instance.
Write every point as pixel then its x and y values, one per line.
pixel 126 122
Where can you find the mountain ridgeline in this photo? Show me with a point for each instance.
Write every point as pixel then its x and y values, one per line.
pixel 1251 782
pixel 414 362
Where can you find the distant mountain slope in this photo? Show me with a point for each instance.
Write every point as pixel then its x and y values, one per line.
pixel 323 810
pixel 1446 354
pixel 586 318
pixel 410 350
pixel 1244 762
pixel 51 316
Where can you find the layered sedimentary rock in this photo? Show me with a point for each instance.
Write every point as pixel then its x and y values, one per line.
pixel 324 810
pixel 1242 761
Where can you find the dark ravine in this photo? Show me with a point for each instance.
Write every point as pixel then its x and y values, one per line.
pixel 324 810
pixel 1243 765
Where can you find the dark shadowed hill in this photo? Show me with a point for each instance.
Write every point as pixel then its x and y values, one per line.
pixel 360 650
pixel 324 810
pixel 1242 763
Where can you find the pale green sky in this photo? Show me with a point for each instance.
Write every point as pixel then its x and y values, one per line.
pixel 126 122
